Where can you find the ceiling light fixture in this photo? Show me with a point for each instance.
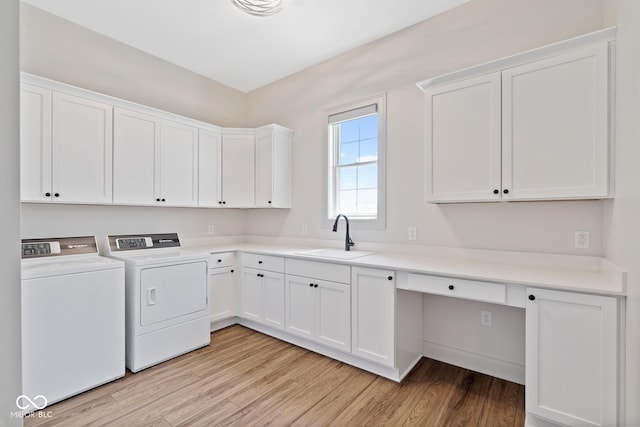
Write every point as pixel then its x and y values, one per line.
pixel 260 7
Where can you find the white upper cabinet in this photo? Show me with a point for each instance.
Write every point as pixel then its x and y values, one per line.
pixel 463 154
pixel 155 160
pixel 66 148
pixel 209 168
pixel 555 127
pixel 535 128
pixel 273 167
pixel 35 143
pixel 238 169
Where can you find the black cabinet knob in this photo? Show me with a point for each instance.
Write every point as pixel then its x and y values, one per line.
pixel 311 285
pixel 47 194
pixel 269 202
pixel 390 278
pixel 220 202
pixel 56 194
pixel 163 200
pixel 451 287
pixel 315 286
pixel 532 297
pixel 224 203
pixel 259 262
pixel 232 271
pixel 219 260
pixel 158 199
pixel 260 275
pixel 496 191
pixel 505 191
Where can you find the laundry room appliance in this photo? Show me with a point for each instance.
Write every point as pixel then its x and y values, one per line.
pixel 73 319
pixel 167 304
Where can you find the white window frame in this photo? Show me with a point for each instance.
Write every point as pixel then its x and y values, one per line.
pixel 328 215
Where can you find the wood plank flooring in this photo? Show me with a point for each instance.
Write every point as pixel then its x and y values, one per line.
pixel 246 378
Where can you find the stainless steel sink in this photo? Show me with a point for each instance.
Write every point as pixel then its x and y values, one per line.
pixel 334 253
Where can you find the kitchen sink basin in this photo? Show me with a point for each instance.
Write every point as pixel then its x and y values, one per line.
pixel 335 253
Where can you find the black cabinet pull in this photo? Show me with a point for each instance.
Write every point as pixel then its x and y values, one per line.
pixel 532 297
pixel 505 191
pixel 47 194
pixel 451 287
pixel 390 278
pixel 260 275
pixel 56 194
pixel 496 191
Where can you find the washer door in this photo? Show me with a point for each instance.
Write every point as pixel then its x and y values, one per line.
pixel 172 291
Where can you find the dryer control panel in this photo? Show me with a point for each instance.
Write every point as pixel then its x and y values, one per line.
pixel 133 242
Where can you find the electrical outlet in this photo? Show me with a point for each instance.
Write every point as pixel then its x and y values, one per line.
pixel 305 229
pixel 583 240
pixel 211 229
pixel 485 318
pixel 413 233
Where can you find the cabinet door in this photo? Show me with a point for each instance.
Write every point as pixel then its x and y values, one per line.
pixel 555 127
pixel 82 150
pixel 238 164
pixel 571 353
pixel 462 152
pixel 135 137
pixel 333 315
pixel 273 303
pixel 209 168
pixel 373 314
pixel 222 295
pixel 35 143
pixel 300 305
pixel 251 294
pixel 178 165
pixel 264 169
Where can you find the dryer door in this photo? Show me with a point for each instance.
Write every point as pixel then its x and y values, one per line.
pixel 172 291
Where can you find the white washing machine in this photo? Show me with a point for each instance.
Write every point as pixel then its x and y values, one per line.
pixel 72 319
pixel 167 304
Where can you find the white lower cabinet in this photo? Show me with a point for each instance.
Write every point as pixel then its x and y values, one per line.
pixel 373 295
pixel 262 296
pixel 319 310
pixel 222 287
pixel 571 359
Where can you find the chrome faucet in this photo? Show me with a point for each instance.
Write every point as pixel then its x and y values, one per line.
pixel 347 240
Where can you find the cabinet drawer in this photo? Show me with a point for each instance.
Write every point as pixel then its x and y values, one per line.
pixel 458 288
pixel 222 259
pixel 263 262
pixel 319 270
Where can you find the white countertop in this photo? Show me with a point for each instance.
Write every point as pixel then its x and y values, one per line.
pixel 598 276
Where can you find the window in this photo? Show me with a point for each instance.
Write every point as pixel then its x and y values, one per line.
pixel 356 136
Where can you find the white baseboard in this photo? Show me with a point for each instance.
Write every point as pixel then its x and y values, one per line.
pixel 475 362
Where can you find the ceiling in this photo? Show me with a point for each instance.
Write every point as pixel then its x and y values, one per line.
pixel 217 40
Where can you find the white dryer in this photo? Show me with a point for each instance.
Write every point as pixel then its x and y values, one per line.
pixel 72 319
pixel 167 304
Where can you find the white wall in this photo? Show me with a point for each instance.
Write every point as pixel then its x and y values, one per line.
pixel 10 373
pixel 473 33
pixel 622 214
pixel 60 50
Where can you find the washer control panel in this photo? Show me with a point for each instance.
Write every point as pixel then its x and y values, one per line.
pixel 134 242
pixel 39 248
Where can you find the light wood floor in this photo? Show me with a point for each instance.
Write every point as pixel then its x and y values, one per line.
pixel 247 378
